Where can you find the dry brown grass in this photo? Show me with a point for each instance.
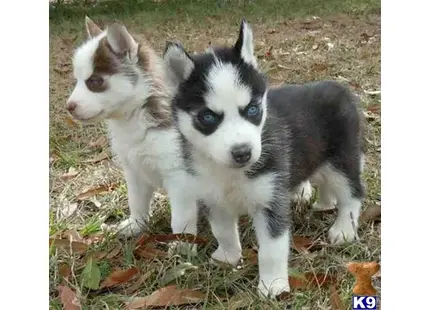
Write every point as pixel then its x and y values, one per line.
pixel 338 47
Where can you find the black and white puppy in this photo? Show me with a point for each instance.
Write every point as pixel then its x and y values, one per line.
pixel 249 147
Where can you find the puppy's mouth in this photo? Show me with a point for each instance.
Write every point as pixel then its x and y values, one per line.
pixel 88 120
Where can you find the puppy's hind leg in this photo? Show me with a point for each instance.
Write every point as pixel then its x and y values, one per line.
pixel 303 192
pixel 347 187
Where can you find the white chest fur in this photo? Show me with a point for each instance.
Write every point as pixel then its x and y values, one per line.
pixel 231 189
pixel 154 153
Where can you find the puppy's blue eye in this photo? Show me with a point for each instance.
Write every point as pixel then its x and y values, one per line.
pixel 252 111
pixel 208 118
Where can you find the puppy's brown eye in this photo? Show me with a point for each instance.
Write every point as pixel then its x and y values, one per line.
pixel 95 83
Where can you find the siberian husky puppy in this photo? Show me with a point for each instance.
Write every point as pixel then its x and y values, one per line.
pixel 250 147
pixel 123 82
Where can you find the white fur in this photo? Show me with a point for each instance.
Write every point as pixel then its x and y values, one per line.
pixel 334 188
pixel 227 95
pixel 272 259
pixel 150 157
pixel 247 50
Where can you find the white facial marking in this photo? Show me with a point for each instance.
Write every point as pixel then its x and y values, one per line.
pixel 226 92
pixel 226 95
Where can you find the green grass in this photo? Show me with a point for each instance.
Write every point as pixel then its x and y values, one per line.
pixel 300 53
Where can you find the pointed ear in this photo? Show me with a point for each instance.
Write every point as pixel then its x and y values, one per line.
pixel 244 45
pixel 178 62
pixel 92 29
pixel 121 42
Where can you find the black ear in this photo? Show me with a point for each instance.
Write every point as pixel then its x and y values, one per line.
pixel 177 61
pixel 244 46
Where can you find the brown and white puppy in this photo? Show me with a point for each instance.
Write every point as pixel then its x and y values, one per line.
pixel 124 83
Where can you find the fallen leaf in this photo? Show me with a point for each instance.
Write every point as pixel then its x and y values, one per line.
pixel 250 256
pixel 304 244
pixel 176 272
pixel 371 214
pixel 68 209
pixel 98 158
pixel 64 270
pixel 150 253
pixel 119 277
pixel 114 253
pixel 68 298
pixel 70 121
pixel 319 67
pixel 95 191
pixel 240 301
pixel 168 296
pixel 69 175
pixel 72 235
pixel 310 279
pixel 147 239
pixel 99 143
pixel 91 275
pixel 139 283
pixel 69 246
pixel 336 302
pixel 374 108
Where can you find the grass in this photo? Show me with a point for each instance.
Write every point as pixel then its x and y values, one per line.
pixel 296 41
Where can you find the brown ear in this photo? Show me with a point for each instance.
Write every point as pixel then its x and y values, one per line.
pixel 92 29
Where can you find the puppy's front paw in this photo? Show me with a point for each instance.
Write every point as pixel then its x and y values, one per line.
pixel 342 231
pixel 272 288
pixel 232 258
pixel 183 248
pixel 130 228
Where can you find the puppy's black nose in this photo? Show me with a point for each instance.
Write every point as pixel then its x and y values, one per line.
pixel 241 153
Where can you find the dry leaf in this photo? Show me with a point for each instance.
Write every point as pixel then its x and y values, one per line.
pixel 114 253
pixel 376 109
pixel 146 239
pixel 69 175
pixel 304 244
pixel 68 298
pixel 95 191
pixel 371 214
pixel 64 270
pixel 176 272
pixel 119 277
pixel 150 253
pixel 250 256
pixel 311 279
pixel 68 209
pixel 336 302
pixel 168 296
pixel 69 246
pixel 139 283
pixel 98 158
pixel 99 143
pixel 70 121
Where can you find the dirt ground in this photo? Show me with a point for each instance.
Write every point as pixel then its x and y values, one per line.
pixel 87 187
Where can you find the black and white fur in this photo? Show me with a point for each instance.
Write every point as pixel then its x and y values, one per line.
pixel 250 147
